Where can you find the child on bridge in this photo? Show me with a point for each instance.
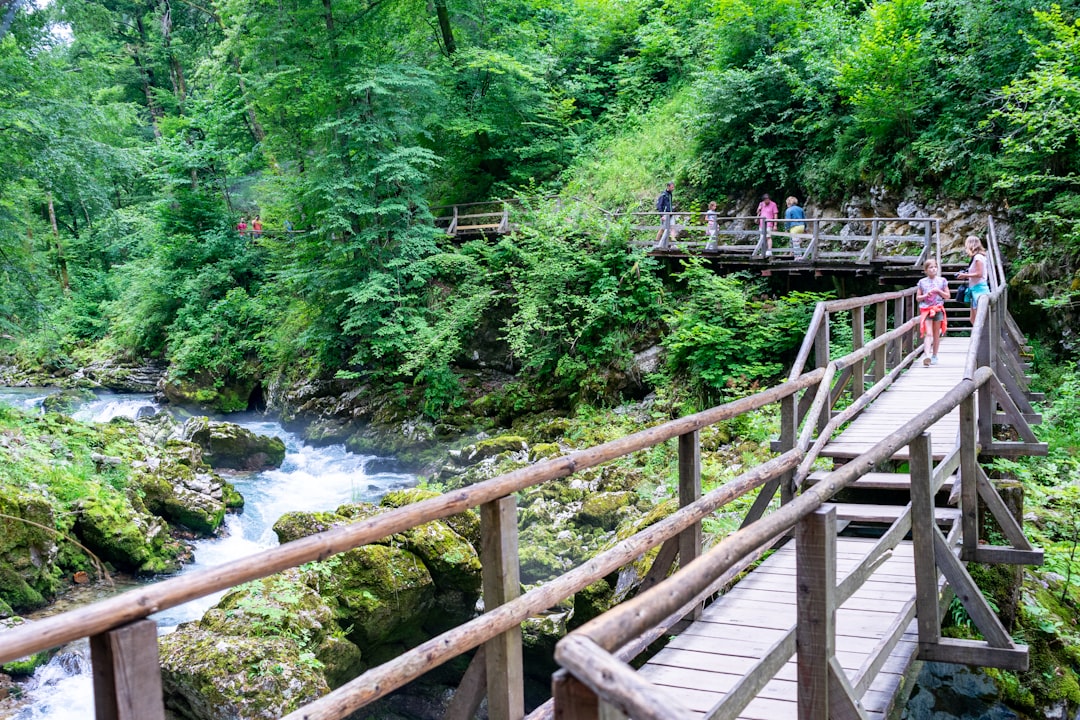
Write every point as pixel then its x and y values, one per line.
pixel 931 293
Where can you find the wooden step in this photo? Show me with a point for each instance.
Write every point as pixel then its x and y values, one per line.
pixel 887 514
pixel 878 481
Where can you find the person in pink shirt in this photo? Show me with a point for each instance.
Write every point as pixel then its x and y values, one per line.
pixel 931 293
pixel 767 210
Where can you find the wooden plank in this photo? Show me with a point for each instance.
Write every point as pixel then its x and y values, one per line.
pixel 880 481
pixel 975 652
pixel 501 584
pixel 127 673
pixel 886 513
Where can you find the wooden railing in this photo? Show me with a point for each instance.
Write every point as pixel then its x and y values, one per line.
pixel 863 241
pixel 596 675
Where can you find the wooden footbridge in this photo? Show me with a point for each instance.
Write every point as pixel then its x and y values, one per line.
pixel 824 620
pixel 883 247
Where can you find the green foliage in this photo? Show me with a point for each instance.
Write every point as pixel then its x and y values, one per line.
pixel 726 331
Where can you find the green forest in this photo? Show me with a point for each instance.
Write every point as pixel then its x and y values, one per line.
pixel 137 135
pixel 134 134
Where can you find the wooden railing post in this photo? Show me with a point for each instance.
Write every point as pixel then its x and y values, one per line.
pixel 922 535
pixel 880 328
pixel 789 428
pixel 502 583
pixel 985 358
pixel 127 673
pixel 574 700
pixel 815 241
pixel 897 346
pixel 858 370
pixel 815 631
pixel 690 492
pixel 821 359
pixel 969 471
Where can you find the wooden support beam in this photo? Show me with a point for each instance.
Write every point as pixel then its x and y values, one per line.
pixel 789 427
pixel 662 564
pixel 502 583
pixel 1015 449
pixel 922 536
pixel 857 339
pixel 470 691
pixel 881 311
pixel 761 502
pixel 815 631
pixel 690 492
pixel 1001 513
pixel 975 652
pixel 127 673
pixel 1016 417
pixel 821 359
pixel 573 698
pixel 969 473
pixel 843 705
pixel 980 612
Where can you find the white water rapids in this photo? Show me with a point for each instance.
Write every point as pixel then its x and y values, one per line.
pixel 310 478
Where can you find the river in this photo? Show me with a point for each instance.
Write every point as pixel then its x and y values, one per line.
pixel 310 478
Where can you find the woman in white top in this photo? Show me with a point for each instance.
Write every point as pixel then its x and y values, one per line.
pixel 976 273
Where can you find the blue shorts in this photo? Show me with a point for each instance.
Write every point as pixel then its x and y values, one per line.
pixel 975 291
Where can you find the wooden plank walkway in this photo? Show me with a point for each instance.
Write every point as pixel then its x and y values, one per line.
pixel 703 663
pixel 912 393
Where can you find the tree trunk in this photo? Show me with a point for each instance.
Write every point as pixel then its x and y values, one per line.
pixel 449 46
pixel 61 263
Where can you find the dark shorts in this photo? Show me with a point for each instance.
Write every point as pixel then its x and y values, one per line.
pixel 937 316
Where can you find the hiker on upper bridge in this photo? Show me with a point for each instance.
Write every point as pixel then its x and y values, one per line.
pixel 796 214
pixel 767 210
pixel 710 226
pixel 976 273
pixel 241 227
pixel 931 293
pixel 663 205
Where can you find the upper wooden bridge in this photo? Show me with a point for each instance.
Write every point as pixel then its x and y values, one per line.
pixel 824 626
pixel 887 247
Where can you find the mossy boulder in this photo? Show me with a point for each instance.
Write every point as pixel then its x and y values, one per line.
pixel 66 401
pixel 411 440
pixel 466 524
pixel 382 593
pixel 491 447
pixel 194 498
pixel 604 509
pixel 208 676
pixel 206 391
pixel 28 551
pixel 226 445
pixel 132 540
pixel 296 648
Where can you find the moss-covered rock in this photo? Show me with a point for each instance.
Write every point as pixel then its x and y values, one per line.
pixel 28 549
pixel 604 509
pixel 206 675
pixel 66 401
pixel 226 445
pixel 466 524
pixel 111 527
pixel 382 593
pixel 183 495
pixel 282 634
pixel 206 391
pixel 484 449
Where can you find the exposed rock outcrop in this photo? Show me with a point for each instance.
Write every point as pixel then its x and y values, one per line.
pixel 225 445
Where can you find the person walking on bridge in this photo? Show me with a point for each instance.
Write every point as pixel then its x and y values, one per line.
pixel 797 227
pixel 931 293
pixel 767 210
pixel 664 205
pixel 976 273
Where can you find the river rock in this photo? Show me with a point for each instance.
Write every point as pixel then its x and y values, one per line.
pixel 129 537
pixel 208 391
pixel 192 496
pixel 66 401
pixel 28 552
pixel 226 445
pixel 268 647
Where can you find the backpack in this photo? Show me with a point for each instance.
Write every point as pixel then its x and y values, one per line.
pixel 660 202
